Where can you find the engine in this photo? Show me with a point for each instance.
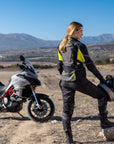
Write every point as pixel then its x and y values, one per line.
pixel 13 104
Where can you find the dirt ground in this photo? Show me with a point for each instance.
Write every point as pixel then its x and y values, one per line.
pixel 85 122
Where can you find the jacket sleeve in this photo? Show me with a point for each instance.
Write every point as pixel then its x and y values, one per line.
pixel 89 63
pixel 60 62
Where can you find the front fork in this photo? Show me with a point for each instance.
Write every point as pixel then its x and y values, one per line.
pixel 38 102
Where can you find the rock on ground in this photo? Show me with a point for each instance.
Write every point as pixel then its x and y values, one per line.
pixel 109 134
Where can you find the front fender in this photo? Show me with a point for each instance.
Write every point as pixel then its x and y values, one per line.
pixel 39 96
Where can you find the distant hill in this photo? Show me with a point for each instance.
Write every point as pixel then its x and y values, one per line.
pixel 20 41
pixel 104 38
pixel 101 51
pixel 14 41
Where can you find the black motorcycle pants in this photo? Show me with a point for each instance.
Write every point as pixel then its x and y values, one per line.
pixel 86 87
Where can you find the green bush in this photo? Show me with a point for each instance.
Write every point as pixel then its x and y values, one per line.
pixel 98 62
pixel 1 66
pixel 112 62
pixel 11 66
pixel 43 66
pixel 106 61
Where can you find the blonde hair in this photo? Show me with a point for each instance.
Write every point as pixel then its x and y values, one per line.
pixel 70 30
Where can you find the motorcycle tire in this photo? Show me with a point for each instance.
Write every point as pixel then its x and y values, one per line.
pixel 44 114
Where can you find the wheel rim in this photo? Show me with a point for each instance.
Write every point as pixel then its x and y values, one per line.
pixel 40 113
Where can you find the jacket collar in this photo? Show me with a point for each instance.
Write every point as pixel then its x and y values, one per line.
pixel 72 38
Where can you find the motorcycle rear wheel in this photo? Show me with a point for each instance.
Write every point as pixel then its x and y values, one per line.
pixel 44 114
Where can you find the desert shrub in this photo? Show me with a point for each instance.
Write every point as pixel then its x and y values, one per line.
pixel 1 66
pixel 42 66
pixel 54 60
pixel 106 61
pixel 98 62
pixel 112 62
pixel 11 66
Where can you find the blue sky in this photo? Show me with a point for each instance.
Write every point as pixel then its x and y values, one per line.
pixel 49 19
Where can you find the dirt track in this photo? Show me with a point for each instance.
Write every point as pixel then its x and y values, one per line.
pixel 85 122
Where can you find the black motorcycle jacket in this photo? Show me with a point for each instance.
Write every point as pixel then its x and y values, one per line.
pixel 71 63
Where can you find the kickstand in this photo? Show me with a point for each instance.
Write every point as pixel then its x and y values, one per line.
pixel 21 115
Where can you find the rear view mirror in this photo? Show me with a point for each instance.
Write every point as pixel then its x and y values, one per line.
pixel 22 58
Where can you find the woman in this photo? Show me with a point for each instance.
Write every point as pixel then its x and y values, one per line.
pixel 72 55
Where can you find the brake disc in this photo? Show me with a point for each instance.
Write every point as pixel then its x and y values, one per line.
pixel 40 112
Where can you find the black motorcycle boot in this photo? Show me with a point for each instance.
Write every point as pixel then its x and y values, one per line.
pixel 67 128
pixel 69 136
pixel 102 105
pixel 105 123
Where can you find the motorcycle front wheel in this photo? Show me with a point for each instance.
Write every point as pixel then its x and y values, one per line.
pixel 45 113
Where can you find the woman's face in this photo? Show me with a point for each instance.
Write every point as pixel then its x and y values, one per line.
pixel 78 33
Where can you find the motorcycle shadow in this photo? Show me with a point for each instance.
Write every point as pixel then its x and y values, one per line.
pixel 91 142
pixel 15 118
pixel 95 117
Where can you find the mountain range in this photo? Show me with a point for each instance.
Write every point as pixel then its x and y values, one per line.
pixel 20 41
pixel 104 38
